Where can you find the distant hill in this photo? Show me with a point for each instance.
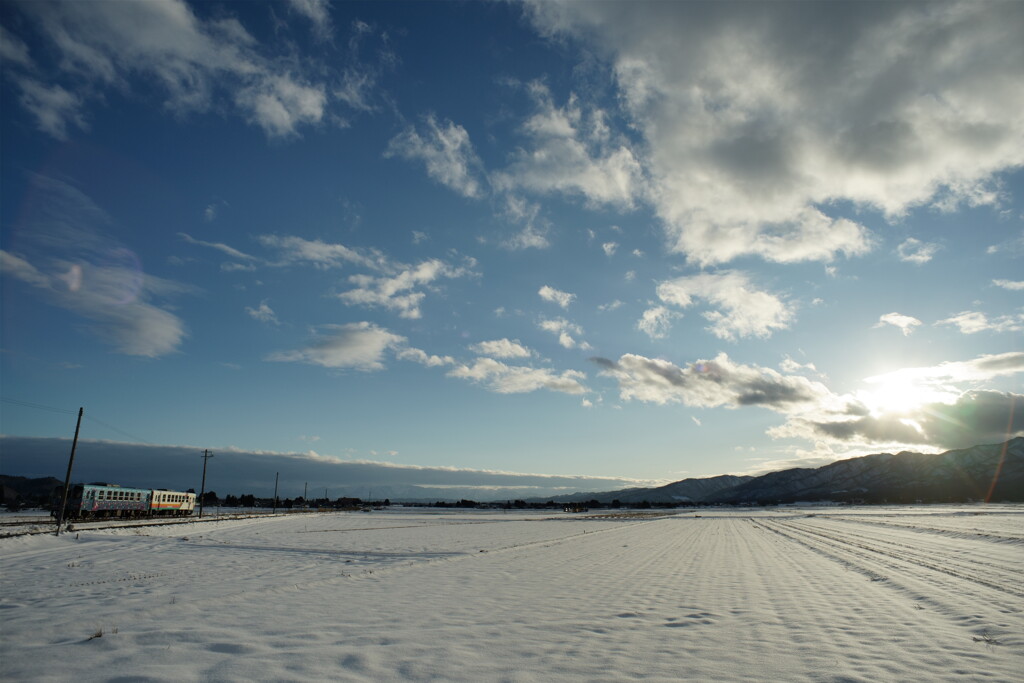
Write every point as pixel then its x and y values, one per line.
pixel 685 491
pixel 25 491
pixel 953 476
pixel 905 477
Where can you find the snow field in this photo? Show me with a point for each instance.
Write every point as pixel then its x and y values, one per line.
pixel 797 595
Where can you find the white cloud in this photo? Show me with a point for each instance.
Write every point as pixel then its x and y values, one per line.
pixel 501 348
pixel 510 379
pixel 905 323
pixel 447 153
pixel 54 107
pixel 982 368
pixel 712 383
pixel 744 310
pixel 1014 246
pixel 280 105
pixel 564 330
pixel 13 49
pixel 1012 285
pixel 398 293
pixel 657 321
pixel 571 152
pixel 424 358
pixel 359 346
pixel 791 366
pixel 556 296
pixel 915 251
pixel 973 322
pixel 265 314
pixel 196 64
pixel 911 406
pixel 534 229
pixel 610 248
pixel 611 306
pixel 754 123
pixel 971 418
pixel 318 12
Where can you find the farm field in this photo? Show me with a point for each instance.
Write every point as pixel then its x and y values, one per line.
pixel 799 594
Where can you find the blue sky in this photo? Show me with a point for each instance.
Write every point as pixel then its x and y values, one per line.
pixel 624 242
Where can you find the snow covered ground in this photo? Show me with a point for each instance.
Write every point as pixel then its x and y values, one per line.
pixel 793 594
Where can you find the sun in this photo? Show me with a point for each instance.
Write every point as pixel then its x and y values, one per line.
pixel 899 396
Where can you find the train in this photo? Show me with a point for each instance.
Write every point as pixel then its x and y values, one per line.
pixel 94 501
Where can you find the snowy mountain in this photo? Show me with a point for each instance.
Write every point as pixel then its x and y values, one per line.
pixel 994 471
pixel 905 477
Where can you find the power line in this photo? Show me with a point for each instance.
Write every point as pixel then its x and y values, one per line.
pixel 52 409
pixel 119 431
pixel 38 406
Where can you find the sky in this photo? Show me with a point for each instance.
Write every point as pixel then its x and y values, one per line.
pixel 607 243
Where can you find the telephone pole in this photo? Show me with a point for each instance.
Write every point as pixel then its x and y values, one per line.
pixel 67 479
pixel 202 487
pixel 277 476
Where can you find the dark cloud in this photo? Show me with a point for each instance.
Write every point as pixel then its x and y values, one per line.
pixel 772 392
pixel 710 383
pixel 977 417
pixel 237 472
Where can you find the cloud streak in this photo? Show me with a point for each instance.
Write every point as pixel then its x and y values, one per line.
pixel 71 262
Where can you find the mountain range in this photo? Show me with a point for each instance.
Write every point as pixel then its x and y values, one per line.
pixel 993 472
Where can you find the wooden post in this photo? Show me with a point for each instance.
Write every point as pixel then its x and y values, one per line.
pixel 202 487
pixel 67 479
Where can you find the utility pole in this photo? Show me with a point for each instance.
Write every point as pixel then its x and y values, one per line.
pixel 67 479
pixel 202 487
pixel 305 492
pixel 277 476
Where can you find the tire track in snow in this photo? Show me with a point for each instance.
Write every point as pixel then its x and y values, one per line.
pixel 1001 573
pixel 964 600
pixel 1000 583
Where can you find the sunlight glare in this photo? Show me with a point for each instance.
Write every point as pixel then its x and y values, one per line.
pixel 900 396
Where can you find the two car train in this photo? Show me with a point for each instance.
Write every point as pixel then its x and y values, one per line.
pixel 93 501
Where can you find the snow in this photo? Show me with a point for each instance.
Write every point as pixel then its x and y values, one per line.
pixel 797 594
